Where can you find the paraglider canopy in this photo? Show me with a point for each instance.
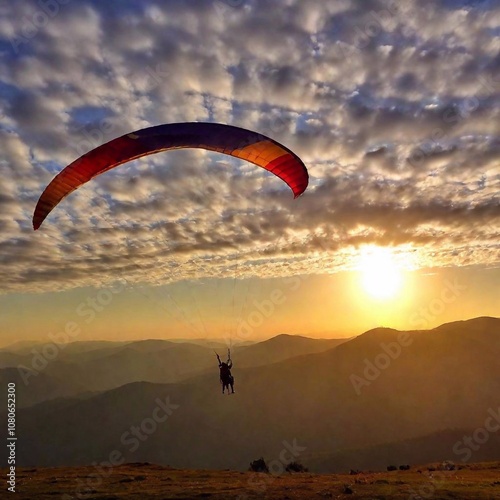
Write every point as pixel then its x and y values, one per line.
pixel 245 144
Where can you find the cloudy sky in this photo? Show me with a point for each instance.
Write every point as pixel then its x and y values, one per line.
pixel 394 107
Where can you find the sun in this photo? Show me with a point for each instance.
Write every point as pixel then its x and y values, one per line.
pixel 381 277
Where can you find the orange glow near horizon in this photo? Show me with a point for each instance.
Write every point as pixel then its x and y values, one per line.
pixel 316 305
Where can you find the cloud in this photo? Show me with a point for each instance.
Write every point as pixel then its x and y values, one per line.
pixel 394 107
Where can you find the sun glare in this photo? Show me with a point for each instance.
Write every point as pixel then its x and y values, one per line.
pixel 380 275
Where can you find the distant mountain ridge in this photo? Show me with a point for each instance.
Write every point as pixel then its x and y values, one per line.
pixel 95 366
pixel 445 378
pixel 282 347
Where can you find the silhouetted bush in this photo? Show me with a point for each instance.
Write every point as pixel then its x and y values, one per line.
pixel 404 467
pixel 259 466
pixel 347 490
pixel 295 467
pixel 391 468
pixel 447 465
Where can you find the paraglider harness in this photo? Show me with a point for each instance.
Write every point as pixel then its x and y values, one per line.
pixel 226 379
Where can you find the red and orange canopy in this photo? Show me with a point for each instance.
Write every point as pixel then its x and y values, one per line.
pixel 234 141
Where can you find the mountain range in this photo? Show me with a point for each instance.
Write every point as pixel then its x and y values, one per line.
pixel 384 396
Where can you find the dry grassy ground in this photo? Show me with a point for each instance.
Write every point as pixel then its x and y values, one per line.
pixel 145 481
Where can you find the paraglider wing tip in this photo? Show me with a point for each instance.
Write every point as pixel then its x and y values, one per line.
pixel 37 220
pixel 298 191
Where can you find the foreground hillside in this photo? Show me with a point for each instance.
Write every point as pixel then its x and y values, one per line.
pixel 147 481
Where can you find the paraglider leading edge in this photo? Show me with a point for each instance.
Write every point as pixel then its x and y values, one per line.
pixel 227 139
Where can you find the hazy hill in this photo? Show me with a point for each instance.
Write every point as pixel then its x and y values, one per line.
pixel 98 366
pixel 152 361
pixel 280 348
pixel 94 366
pixel 214 343
pixel 150 345
pixel 40 387
pixel 25 346
pixel 23 353
pixel 21 346
pixel 444 379
pixel 12 359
